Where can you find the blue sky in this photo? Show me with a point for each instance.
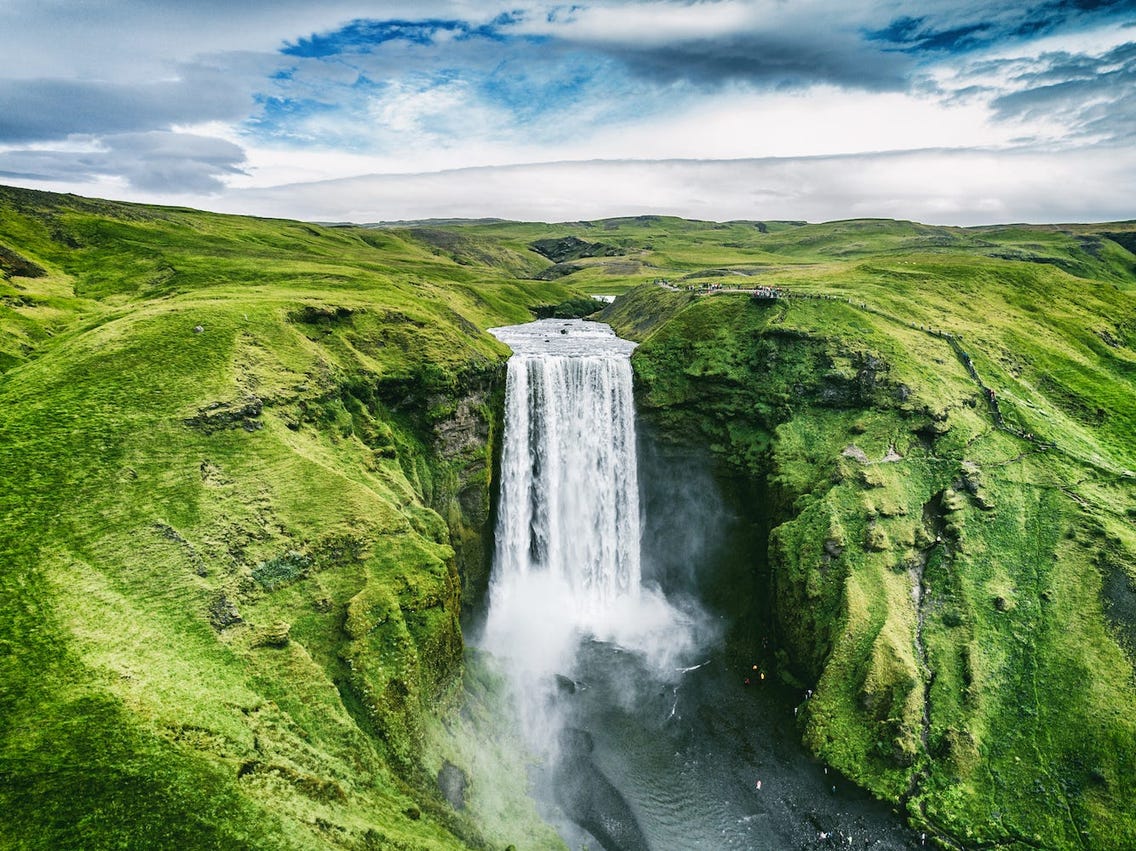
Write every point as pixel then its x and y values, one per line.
pixel 945 111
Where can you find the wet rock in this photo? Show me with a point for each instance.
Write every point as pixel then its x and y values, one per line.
pixel 590 799
pixel 565 685
pixel 452 783
pixel 576 742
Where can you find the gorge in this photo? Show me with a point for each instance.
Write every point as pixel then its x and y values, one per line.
pixel 612 671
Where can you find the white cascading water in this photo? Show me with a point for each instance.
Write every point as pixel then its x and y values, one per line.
pixel 567 563
pixel 569 485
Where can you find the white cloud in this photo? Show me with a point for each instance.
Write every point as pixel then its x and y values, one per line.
pixel 728 125
pixel 823 120
pixel 429 113
pixel 124 39
pixel 942 187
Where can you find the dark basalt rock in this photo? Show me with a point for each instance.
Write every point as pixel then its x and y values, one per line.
pixel 565 685
pixel 590 799
pixel 452 782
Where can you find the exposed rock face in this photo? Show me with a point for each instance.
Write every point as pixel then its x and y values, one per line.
pixel 464 441
pixel 238 413
pixel 452 782
pixel 559 270
pixel 223 613
pixel 13 265
pixel 440 436
pixel 573 248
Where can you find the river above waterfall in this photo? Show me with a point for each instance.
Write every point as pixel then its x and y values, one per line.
pixel 648 728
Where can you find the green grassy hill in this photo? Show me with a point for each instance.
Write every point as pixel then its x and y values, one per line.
pixel 245 480
pixel 245 467
pixel 948 445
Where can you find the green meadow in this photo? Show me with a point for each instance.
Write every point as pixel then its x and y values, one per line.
pixel 245 485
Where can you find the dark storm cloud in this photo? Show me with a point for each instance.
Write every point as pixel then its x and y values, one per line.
pixel 154 161
pixel 918 34
pixel 1093 96
pixel 768 60
pixel 956 29
pixel 793 47
pixel 46 109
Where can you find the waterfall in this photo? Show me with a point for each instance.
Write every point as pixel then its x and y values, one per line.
pixel 569 486
pixel 567 570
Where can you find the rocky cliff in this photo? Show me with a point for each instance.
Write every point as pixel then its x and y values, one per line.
pixel 948 520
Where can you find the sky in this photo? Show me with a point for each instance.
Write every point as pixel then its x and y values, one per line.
pixel 943 111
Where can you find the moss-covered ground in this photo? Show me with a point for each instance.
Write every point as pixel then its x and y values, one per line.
pixel 244 483
pixel 950 439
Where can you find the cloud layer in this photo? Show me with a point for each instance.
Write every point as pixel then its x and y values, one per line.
pixel 933 186
pixel 208 103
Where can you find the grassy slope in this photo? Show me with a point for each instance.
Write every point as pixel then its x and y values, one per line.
pixel 141 516
pixel 891 477
pixel 128 717
pixel 694 252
